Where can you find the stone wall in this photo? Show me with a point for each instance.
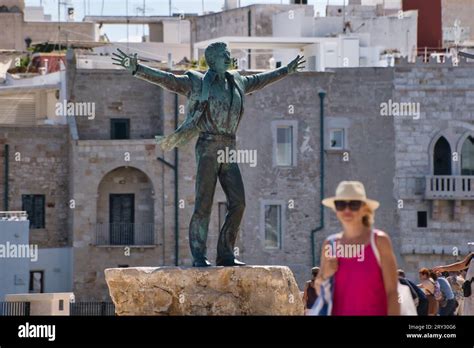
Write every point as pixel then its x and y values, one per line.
pixel 445 96
pixel 11 38
pixel 353 103
pixel 15 30
pixel 93 161
pixel 117 94
pixel 48 31
pixel 39 165
pixel 128 181
pixel 365 158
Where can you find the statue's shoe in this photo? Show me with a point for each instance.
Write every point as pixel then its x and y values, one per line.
pixel 202 263
pixel 230 263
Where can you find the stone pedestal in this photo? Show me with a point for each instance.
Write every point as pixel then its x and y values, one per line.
pixel 249 290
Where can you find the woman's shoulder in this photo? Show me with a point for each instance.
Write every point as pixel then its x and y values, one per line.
pixel 380 233
pixel 382 239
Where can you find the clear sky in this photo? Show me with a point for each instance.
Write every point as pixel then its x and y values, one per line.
pixel 152 7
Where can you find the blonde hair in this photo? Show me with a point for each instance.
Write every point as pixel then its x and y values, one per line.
pixel 369 217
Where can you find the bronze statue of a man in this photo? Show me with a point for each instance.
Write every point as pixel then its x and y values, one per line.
pixel 215 108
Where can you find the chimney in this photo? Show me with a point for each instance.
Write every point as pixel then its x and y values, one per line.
pixel 231 4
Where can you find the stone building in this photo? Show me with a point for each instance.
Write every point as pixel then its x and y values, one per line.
pixel 15 29
pixel 434 156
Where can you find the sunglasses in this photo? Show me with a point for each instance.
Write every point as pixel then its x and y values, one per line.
pixel 353 205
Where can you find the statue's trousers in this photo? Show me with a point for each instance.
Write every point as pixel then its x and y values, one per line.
pixel 209 169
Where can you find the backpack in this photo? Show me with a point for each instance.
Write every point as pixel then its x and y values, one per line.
pixel 466 288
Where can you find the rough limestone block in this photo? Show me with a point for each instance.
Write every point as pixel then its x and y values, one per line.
pixel 249 290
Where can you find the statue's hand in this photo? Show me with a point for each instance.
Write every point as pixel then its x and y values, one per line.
pixel 129 62
pixel 164 143
pixel 296 64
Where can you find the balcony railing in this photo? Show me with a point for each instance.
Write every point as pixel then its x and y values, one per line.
pixel 125 234
pixel 13 216
pixel 451 187
pixel 92 309
pixel 14 308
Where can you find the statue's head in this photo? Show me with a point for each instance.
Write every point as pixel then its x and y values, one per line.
pixel 218 56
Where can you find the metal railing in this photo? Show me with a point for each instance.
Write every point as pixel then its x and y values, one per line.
pixel 449 187
pixel 91 309
pixel 123 233
pixel 14 309
pixel 13 215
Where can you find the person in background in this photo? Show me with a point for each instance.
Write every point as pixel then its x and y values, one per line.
pixel 362 285
pixel 428 286
pixel 456 279
pixel 466 264
pixel 419 297
pixel 448 303
pixel 310 295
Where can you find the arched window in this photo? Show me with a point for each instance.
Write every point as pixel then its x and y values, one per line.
pixel 442 157
pixel 467 156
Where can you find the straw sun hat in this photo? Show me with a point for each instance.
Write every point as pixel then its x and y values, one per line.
pixel 350 191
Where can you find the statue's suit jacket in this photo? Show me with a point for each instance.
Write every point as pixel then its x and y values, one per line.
pixel 195 86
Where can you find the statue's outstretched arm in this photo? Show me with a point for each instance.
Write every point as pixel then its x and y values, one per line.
pixel 180 84
pixel 258 81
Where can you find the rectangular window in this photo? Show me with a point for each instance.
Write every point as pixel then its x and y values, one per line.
pixel 284 140
pixel 34 205
pixel 222 213
pixel 422 219
pixel 336 139
pixel 273 226
pixel 36 282
pixel 61 305
pixel 284 150
pixel 120 128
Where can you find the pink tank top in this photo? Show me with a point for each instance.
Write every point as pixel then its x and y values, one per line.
pixel 358 285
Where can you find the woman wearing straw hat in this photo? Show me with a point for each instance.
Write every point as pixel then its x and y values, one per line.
pixel 365 282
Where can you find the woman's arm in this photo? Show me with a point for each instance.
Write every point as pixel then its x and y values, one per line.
pixel 305 295
pixel 328 266
pixel 454 267
pixel 388 264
